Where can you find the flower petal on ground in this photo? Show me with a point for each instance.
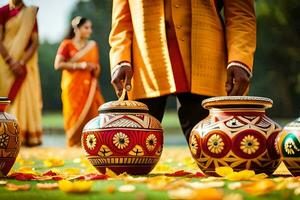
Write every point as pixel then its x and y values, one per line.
pixel 47 186
pixel 54 162
pixel 75 187
pixel 259 187
pixel 14 187
pixel 224 171
pixel 126 188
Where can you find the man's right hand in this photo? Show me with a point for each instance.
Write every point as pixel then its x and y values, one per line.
pixel 121 78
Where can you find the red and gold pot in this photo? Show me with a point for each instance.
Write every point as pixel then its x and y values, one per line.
pixel 9 138
pixel 289 146
pixel 124 138
pixel 237 133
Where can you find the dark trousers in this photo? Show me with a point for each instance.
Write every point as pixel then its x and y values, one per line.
pixel 189 109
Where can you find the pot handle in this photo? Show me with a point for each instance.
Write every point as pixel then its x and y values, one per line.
pixel 122 97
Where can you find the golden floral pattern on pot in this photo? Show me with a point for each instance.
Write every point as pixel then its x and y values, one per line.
pixel 137 151
pixel 105 151
pixel 215 144
pixel 151 142
pixel 91 141
pixel 159 151
pixel 4 139
pixel 194 145
pixel 120 140
pixel 290 146
pixel 249 144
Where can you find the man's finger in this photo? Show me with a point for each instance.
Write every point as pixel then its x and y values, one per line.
pixel 117 83
pixel 229 82
pixel 128 80
pixel 235 89
pixel 243 88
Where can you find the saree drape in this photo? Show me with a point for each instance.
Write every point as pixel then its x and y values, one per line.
pixel 27 100
pixel 81 95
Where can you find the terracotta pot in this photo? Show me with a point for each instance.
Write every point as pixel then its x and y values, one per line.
pixel 9 138
pixel 124 138
pixel 289 146
pixel 237 133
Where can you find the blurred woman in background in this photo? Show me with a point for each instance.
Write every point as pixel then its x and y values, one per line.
pixel 19 72
pixel 78 58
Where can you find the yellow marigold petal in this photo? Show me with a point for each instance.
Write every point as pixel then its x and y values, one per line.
pixel 259 176
pixel 27 170
pixel 75 187
pixel 110 173
pixel 54 162
pixel 242 175
pixel 71 171
pixel 224 171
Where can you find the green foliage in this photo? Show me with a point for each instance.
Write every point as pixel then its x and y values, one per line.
pixel 50 79
pixel 277 60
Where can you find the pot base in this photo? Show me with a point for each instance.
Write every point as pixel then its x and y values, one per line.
pixel 130 165
pixel 5 165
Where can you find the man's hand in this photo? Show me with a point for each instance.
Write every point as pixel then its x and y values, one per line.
pixel 237 81
pixel 123 74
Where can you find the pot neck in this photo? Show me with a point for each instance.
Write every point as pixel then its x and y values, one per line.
pixel 237 111
pixel 4 102
pixel 3 106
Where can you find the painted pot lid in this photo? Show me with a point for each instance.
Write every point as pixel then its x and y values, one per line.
pixel 293 124
pixel 116 106
pixel 237 101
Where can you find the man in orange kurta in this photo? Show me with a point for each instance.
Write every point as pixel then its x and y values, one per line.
pixel 163 47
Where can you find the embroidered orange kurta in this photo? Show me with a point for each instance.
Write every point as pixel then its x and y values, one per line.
pixel 138 36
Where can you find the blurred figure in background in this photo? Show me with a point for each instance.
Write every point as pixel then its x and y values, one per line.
pixel 78 58
pixel 19 73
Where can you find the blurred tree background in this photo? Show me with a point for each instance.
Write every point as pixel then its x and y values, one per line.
pixel 276 67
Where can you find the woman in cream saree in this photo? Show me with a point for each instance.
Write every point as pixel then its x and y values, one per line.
pixel 19 73
pixel 78 59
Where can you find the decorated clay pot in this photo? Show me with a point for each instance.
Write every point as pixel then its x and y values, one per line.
pixel 124 138
pixel 237 133
pixel 9 138
pixel 289 146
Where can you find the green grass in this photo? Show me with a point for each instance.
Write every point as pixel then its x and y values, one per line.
pixel 52 120
pixel 55 120
pixel 170 121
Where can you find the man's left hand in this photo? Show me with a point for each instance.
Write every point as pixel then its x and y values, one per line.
pixel 237 81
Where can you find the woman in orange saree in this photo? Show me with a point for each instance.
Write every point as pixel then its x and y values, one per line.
pixel 78 58
pixel 19 73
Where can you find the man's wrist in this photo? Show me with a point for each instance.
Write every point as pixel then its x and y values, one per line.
pixel 240 65
pixel 121 64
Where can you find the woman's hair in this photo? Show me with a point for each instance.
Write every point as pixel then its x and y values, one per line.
pixel 77 22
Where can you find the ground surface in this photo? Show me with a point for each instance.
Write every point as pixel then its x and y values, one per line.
pixel 71 163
